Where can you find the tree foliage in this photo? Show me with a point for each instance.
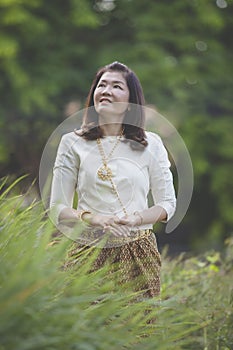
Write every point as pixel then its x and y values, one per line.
pixel 182 53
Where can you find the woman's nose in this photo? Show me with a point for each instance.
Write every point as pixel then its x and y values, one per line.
pixel 107 90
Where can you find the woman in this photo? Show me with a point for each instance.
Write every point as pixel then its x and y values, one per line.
pixel 113 164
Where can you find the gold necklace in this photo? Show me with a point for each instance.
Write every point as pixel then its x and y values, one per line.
pixel 105 173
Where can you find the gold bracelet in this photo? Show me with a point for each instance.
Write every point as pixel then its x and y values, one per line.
pixel 141 217
pixel 81 213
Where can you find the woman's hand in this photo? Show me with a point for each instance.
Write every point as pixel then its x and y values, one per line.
pixel 132 221
pixel 119 227
pixel 123 226
pixel 109 224
pixel 102 221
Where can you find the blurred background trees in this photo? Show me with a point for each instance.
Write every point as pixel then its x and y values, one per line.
pixel 182 53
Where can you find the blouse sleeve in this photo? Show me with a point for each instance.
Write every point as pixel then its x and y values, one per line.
pixel 161 179
pixel 65 174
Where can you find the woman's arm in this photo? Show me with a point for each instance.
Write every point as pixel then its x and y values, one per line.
pixel 65 174
pixel 162 188
pixel 71 216
pixel 148 216
pixel 161 183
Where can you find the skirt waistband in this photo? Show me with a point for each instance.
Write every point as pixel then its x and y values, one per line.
pixel 98 238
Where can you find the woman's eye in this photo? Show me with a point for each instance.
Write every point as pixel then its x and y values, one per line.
pixel 101 85
pixel 118 87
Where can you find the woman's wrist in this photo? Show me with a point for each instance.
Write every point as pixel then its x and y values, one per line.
pixel 84 215
pixel 91 219
pixel 139 218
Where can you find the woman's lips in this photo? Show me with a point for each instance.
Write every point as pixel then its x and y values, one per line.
pixel 105 100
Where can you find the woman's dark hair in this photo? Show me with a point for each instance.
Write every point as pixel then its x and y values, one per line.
pixel 134 120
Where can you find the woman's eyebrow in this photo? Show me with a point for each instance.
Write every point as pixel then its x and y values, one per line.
pixel 114 81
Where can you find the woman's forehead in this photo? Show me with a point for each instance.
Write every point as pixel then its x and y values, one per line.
pixel 113 77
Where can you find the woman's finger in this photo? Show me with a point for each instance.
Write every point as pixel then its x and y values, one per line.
pixel 124 221
pixel 120 230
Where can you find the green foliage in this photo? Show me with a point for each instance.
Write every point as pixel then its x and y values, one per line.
pixel 204 284
pixel 213 166
pixel 182 53
pixel 43 64
pixel 179 49
pixel 43 306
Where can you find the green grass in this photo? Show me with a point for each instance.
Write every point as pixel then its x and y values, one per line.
pixel 43 306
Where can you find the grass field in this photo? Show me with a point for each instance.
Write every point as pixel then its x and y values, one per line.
pixel 44 307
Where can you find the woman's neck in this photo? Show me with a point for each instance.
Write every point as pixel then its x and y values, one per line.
pixel 111 129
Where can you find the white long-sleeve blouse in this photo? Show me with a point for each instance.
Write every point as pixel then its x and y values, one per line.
pixel 135 174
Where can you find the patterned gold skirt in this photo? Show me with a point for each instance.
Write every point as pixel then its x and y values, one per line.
pixel 138 263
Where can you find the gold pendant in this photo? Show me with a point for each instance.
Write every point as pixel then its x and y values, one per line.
pixel 104 173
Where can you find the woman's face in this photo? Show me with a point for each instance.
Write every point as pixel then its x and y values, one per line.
pixel 111 96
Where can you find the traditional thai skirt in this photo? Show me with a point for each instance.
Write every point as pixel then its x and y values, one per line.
pixel 137 262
